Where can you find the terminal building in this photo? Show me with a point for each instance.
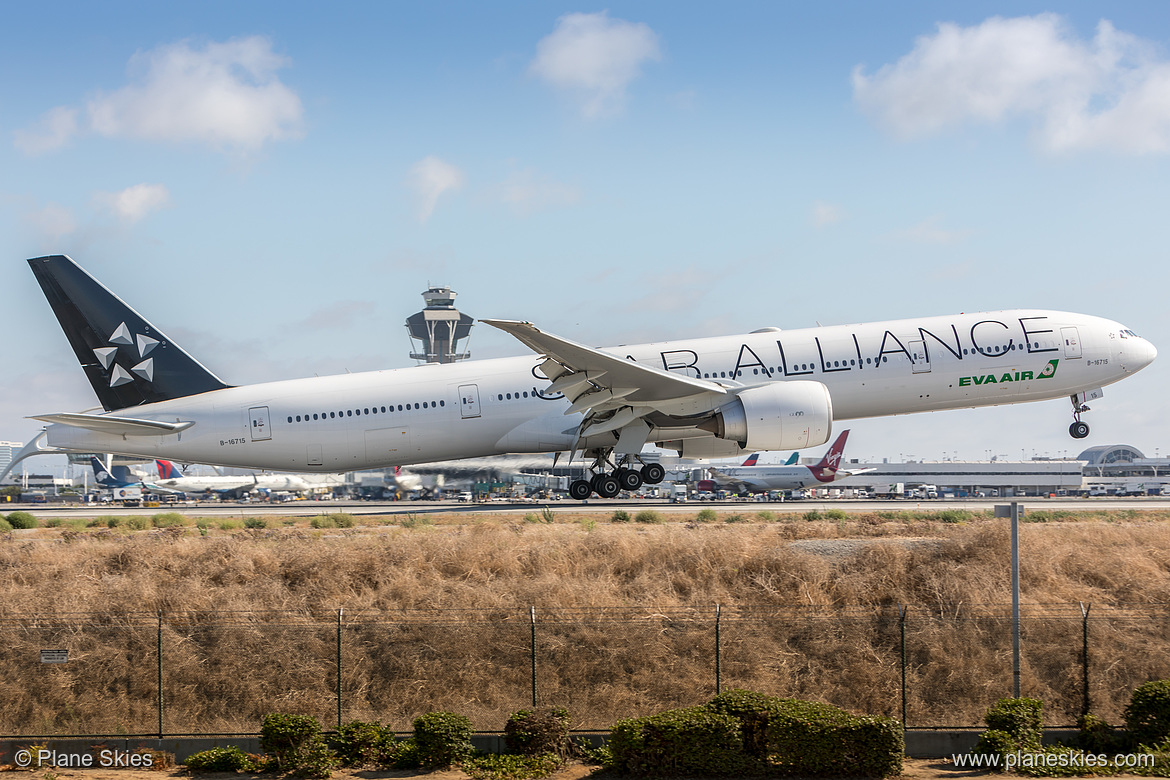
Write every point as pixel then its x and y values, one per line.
pixel 1115 469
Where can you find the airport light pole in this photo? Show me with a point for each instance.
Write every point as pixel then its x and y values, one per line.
pixel 1013 511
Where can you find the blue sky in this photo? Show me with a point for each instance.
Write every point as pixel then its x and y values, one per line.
pixel 273 184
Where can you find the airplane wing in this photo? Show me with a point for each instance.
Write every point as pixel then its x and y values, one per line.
pixel 120 426
pixel 600 383
pixel 842 473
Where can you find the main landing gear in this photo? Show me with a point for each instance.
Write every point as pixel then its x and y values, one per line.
pixel 1078 430
pixel 608 485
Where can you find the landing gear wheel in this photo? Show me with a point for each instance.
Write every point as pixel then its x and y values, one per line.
pixel 607 485
pixel 653 473
pixel 1078 430
pixel 628 479
pixel 579 490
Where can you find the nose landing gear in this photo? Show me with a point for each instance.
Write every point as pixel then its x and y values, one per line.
pixel 1078 430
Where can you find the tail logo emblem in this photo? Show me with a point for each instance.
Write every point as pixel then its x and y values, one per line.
pixel 121 337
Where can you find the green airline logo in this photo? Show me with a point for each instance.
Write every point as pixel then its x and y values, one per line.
pixel 1048 372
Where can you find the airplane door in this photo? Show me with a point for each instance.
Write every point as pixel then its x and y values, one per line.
pixel 1072 342
pixel 469 400
pixel 918 356
pixel 258 423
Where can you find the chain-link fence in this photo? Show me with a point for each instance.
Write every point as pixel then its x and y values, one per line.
pixel 191 673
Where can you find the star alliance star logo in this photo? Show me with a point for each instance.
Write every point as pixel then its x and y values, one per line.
pixel 121 337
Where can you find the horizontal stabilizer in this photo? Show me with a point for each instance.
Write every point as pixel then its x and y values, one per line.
pixel 119 426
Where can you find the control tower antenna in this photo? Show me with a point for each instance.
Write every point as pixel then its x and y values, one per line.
pixel 439 328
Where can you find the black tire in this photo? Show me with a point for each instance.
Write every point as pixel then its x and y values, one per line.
pixel 579 490
pixel 607 486
pixel 1078 430
pixel 629 479
pixel 653 473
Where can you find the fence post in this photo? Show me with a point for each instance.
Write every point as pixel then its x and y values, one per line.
pixel 158 649
pixel 339 612
pixel 532 615
pixel 718 653
pixel 902 629
pixel 1085 656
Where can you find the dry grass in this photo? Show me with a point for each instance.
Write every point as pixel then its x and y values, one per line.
pixel 436 616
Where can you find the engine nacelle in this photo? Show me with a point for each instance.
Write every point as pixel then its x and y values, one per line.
pixel 776 416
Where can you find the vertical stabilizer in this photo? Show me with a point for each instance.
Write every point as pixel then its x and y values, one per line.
pixel 826 469
pixel 128 361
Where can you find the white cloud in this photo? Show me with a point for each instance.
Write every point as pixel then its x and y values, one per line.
pixel 1109 93
pixel 526 192
pixel 226 95
pixel 825 213
pixel 594 58
pixel 430 178
pixel 54 130
pixel 134 203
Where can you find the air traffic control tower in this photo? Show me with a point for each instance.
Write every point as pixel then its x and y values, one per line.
pixel 439 328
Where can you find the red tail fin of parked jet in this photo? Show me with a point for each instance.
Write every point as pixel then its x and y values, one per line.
pixel 167 470
pixel 826 468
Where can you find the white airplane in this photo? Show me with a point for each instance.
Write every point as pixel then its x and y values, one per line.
pixel 761 479
pixel 172 479
pixel 704 397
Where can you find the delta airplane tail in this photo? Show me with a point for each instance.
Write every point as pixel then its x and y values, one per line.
pixel 167 470
pixel 114 343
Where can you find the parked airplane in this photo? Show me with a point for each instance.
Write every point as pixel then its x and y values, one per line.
pixel 704 397
pixel 761 479
pixel 170 478
pixel 111 478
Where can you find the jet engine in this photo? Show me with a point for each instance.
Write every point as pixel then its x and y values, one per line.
pixel 776 416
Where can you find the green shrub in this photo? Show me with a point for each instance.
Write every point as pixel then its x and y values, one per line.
pixel 648 516
pixel 1147 717
pixel 4 525
pixel 53 522
pixel 766 515
pixel 296 743
pixel 342 520
pixel 706 515
pixel 735 517
pixel 1097 736
pixel 442 738
pixel 620 516
pixel 1019 718
pixel 695 741
pixel 810 738
pixel 955 515
pixel 22 520
pixel 322 521
pixel 136 523
pixel 167 520
pixel 534 732
pixel 255 523
pixel 360 743
pixel 221 759
pixel 836 514
pixel 111 521
pixel 812 516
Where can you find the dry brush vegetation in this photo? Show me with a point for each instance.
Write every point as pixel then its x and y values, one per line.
pixel 437 617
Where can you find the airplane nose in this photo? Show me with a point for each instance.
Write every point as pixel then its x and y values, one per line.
pixel 1136 353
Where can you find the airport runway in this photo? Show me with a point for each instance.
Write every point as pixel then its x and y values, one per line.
pixel 594 506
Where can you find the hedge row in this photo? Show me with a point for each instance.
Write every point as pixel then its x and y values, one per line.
pixel 743 732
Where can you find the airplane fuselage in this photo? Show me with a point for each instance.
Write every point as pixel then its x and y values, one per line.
pixel 490 407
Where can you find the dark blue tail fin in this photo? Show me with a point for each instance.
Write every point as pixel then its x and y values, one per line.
pixel 128 361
